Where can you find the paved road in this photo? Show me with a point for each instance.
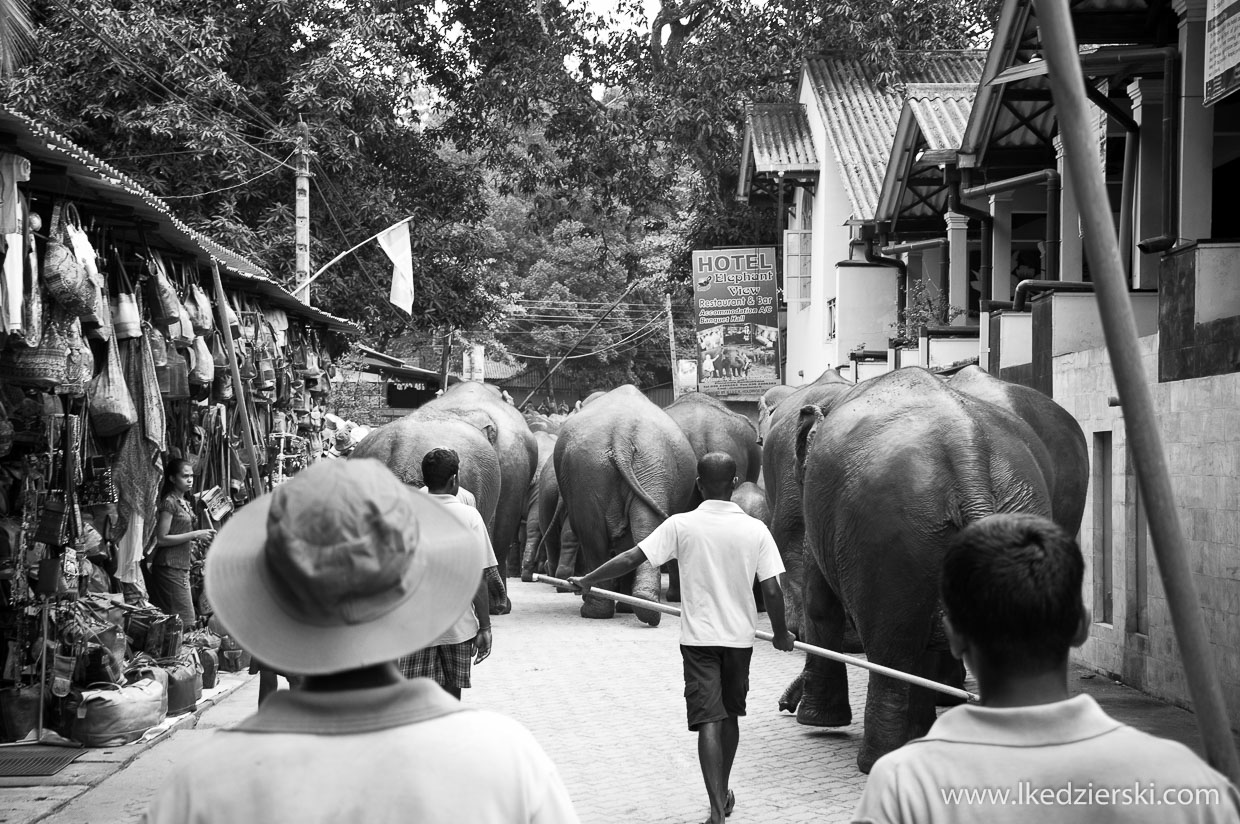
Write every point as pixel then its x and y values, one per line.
pixel 604 698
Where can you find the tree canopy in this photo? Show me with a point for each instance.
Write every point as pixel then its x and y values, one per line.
pixel 537 143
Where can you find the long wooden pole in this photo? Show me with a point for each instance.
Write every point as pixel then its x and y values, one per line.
pixel 1110 283
pixel 821 652
pixel 671 344
pixel 239 388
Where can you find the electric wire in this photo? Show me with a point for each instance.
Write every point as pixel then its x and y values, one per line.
pixel 227 188
pixel 649 329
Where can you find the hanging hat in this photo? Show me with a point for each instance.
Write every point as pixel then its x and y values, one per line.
pixel 341 567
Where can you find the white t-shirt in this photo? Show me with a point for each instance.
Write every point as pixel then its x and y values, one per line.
pixel 720 550
pixel 406 752
pixel 1091 768
pixel 466 627
pixel 462 494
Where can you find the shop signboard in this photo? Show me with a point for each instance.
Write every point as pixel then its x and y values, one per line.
pixel 1222 49
pixel 735 302
pixel 473 362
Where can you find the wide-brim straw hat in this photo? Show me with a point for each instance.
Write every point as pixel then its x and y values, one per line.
pixel 341 567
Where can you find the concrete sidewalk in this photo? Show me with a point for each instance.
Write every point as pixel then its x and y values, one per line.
pixel 28 799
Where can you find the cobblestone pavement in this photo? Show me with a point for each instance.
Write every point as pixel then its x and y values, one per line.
pixel 605 699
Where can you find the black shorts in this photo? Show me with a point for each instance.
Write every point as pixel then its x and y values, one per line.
pixel 716 682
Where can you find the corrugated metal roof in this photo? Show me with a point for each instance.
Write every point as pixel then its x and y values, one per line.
pixel 861 118
pixel 942 111
pixel 95 178
pixel 782 141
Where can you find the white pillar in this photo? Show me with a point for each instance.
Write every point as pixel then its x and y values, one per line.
pixel 1147 220
pixel 1196 149
pixel 1001 246
pixel 958 266
pixel 1070 257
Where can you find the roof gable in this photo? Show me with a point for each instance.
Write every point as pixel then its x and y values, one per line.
pixel 861 118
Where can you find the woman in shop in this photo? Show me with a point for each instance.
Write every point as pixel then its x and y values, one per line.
pixel 174 543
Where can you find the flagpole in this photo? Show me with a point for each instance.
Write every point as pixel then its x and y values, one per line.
pixel 306 284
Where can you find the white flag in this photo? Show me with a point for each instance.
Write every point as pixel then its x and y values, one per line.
pixel 395 242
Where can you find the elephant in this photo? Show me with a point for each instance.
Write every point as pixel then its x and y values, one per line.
pixel 730 362
pixel 623 467
pixel 532 529
pixel 518 460
pixel 751 497
pixel 711 426
pixel 401 444
pixel 783 486
pixel 766 405
pixel 893 468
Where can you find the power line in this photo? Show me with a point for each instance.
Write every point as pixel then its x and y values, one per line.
pixel 649 329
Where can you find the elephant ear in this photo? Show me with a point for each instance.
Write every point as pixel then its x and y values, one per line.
pixel 811 414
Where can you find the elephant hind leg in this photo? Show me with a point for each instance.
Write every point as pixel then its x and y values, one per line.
pixel 824 696
pixel 647 580
pixel 593 542
pixel 896 711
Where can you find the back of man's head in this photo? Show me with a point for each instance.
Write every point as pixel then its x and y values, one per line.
pixel 438 467
pixel 1012 585
pixel 716 474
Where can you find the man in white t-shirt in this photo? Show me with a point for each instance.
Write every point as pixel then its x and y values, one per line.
pixel 468 641
pixel 720 550
pixel 1011 587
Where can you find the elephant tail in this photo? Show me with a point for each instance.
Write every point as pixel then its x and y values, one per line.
pixel 557 520
pixel 626 471
pixel 807 427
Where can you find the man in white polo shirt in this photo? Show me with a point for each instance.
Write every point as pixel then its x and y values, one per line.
pixel 720 550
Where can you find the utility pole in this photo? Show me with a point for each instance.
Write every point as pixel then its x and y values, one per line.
pixel 671 345
pixel 445 360
pixel 301 222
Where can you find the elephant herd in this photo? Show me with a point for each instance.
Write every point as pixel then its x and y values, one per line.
pixel 862 485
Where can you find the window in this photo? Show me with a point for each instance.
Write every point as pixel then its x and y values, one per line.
pixel 797 247
pixel 1138 573
pixel 830 319
pixel 1103 532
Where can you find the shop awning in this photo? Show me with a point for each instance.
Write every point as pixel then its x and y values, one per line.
pixel 61 168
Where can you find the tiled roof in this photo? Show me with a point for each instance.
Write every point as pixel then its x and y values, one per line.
pixel 861 118
pixel 942 111
pixel 100 180
pixel 781 138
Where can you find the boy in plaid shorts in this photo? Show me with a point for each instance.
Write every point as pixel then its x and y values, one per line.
pixel 447 662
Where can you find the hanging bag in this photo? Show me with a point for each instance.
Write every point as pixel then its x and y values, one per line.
pixel 32 289
pixel 126 319
pixel 178 376
pixel 164 305
pixel 204 321
pixel 112 410
pixel 63 274
pixel 38 367
pixel 79 361
pixel 203 371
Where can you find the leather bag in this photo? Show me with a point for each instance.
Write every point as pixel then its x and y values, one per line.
pixel 204 323
pixel 109 715
pixel 184 681
pixel 126 319
pixel 165 306
pixel 203 371
pixel 64 275
pixel 112 410
pixel 210 661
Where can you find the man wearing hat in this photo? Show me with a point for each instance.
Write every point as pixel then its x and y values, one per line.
pixel 335 575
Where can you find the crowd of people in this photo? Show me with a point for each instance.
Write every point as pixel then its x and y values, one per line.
pixel 364 586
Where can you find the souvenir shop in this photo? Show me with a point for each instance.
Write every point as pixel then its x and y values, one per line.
pixel 151 382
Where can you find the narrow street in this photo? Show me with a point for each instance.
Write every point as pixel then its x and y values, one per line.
pixel 604 699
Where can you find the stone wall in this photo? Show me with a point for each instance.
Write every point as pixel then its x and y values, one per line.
pixel 1200 426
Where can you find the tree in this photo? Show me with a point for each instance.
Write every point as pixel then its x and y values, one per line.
pixel 200 102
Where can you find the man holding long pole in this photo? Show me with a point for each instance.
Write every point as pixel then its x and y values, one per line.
pixel 720 550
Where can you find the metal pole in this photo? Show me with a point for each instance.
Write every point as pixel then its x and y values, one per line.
pixel 1080 147
pixel 564 357
pixel 671 344
pixel 821 652
pixel 301 220
pixel 239 388
pixel 445 362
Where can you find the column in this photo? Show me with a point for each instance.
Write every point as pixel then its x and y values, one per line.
pixel 1070 257
pixel 1147 219
pixel 1195 186
pixel 958 265
pixel 1001 246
